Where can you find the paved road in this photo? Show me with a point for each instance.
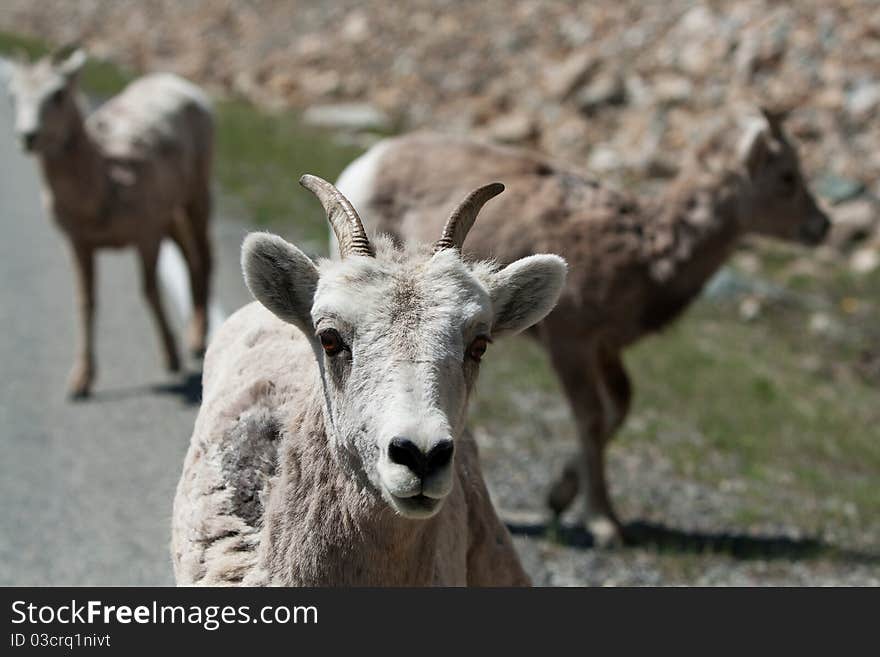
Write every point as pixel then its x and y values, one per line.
pixel 85 488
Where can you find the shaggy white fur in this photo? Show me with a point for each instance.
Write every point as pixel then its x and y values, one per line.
pixel 330 447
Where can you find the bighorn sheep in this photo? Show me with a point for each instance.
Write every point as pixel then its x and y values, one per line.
pixel 137 170
pixel 329 448
pixel 635 263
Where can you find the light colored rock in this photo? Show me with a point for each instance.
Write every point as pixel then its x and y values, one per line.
pixel 865 260
pixel 863 102
pixel 319 84
pixel 820 323
pixel 562 79
pixel 837 189
pixel 604 158
pixel 750 308
pixel 512 128
pixel 697 21
pixel 347 116
pixel 671 89
pixel 606 89
pixel 356 27
pixel 748 262
pixel 852 221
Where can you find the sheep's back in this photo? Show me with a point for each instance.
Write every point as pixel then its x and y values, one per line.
pixel 545 208
pixel 161 124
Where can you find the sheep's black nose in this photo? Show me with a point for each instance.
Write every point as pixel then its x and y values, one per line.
pixel 405 452
pixel 440 455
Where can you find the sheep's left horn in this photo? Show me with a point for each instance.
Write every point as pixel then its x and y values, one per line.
pixel 462 218
pixel 342 216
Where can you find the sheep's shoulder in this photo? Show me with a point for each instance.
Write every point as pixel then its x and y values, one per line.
pixel 155 115
pixel 255 374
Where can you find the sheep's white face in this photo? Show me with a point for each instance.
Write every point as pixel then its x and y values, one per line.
pixel 401 343
pixel 45 102
pixel 398 341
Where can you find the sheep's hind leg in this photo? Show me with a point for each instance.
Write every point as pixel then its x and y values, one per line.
pixel 149 254
pixel 82 374
pixel 199 214
pixel 598 392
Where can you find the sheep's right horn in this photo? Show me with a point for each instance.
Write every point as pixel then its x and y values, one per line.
pixel 63 51
pixel 342 216
pixel 463 217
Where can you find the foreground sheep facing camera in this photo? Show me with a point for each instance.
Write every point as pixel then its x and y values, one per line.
pixel 330 445
pixel 635 264
pixel 136 171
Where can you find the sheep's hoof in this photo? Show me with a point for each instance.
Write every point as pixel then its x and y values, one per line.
pixel 80 383
pixel 605 531
pixel 78 394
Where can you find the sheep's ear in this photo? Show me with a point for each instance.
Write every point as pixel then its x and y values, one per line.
pixel 281 277
pixel 756 146
pixel 775 117
pixel 525 291
pixel 71 65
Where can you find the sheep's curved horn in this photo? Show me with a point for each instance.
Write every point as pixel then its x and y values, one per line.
pixel 342 216
pixel 462 218
pixel 62 52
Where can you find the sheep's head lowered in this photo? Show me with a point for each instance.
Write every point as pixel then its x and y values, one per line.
pixel 45 97
pixel 398 338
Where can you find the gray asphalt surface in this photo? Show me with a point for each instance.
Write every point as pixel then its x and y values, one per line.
pixel 85 488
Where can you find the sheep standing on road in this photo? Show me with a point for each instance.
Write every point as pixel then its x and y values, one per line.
pixel 330 445
pixel 635 264
pixel 135 171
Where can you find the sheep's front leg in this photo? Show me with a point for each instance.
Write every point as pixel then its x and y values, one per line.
pixel 149 254
pixel 492 559
pixel 598 391
pixel 83 373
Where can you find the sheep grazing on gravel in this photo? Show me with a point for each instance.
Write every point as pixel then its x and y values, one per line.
pixel 635 263
pixel 330 446
pixel 136 170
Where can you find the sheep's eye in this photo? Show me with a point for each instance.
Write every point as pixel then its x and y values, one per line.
pixel 788 179
pixel 478 347
pixel 331 341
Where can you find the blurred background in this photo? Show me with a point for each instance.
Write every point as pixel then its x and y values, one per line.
pixel 752 453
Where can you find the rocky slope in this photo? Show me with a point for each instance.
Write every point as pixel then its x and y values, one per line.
pixel 622 87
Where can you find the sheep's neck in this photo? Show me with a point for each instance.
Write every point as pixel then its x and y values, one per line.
pixel 75 176
pixel 324 525
pixel 701 222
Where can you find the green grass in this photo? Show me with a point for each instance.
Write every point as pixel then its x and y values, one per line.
pixel 766 402
pixel 260 158
pixel 260 155
pixel 743 387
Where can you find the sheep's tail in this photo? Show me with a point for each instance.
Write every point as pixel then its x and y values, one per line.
pixel 174 279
